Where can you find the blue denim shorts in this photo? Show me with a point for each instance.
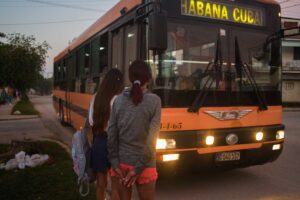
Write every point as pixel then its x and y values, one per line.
pixel 99 154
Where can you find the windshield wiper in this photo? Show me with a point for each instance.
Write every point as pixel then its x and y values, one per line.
pixel 245 69
pixel 213 75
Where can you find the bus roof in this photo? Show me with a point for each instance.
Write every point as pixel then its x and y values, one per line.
pixel 104 21
pixel 110 16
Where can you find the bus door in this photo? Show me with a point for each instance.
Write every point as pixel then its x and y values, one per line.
pixel 68 63
pixel 124 49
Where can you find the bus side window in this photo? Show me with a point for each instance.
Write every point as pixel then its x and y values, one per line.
pixel 72 63
pixel 95 60
pixel 130 50
pixel 80 83
pixel 56 75
pixel 117 49
pixel 124 43
pixel 87 59
pixel 103 52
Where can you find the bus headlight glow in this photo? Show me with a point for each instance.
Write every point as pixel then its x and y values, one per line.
pixel 280 135
pixel 165 144
pixel 276 147
pixel 259 136
pixel 170 157
pixel 210 140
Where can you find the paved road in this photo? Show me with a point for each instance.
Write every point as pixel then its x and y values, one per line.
pixel 274 181
pixel 19 127
pixel 50 120
pixel 23 129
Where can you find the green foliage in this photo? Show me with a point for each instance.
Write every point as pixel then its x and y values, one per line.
pixel 54 180
pixel 44 85
pixel 21 61
pixel 25 107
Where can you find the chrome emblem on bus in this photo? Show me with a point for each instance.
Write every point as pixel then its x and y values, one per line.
pixel 232 139
pixel 228 115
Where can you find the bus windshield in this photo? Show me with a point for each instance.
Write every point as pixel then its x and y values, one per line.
pixel 182 68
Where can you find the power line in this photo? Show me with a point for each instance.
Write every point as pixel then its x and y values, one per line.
pixel 285 1
pixel 64 1
pixel 65 5
pixel 47 22
pixel 291 6
pixel 29 6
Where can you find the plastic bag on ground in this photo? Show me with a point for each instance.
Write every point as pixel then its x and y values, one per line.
pixel 22 160
pixel 11 164
pixel 36 160
pixel 20 157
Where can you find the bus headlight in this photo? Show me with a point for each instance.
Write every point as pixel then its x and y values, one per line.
pixel 165 144
pixel 210 140
pixel 276 147
pixel 170 157
pixel 280 135
pixel 259 136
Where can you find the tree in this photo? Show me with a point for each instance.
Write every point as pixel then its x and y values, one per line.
pixel 44 85
pixel 21 61
pixel 4 63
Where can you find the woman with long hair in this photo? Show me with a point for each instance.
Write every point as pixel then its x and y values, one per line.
pixel 100 108
pixel 132 132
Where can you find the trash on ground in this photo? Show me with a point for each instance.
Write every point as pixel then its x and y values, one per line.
pixel 17 112
pixel 22 160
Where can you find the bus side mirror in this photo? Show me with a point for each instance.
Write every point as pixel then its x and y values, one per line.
pixel 275 53
pixel 158 40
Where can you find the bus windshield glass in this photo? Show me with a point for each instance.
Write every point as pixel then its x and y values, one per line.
pixel 182 68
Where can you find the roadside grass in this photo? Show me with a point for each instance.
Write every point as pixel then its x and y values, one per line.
pixel 53 180
pixel 25 107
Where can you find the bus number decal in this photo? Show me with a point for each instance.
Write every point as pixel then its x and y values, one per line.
pixel 171 126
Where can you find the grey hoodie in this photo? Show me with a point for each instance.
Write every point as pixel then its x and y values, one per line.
pixel 132 131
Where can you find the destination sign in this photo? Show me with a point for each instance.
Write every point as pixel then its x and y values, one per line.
pixel 236 13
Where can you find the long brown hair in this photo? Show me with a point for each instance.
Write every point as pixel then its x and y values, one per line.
pixel 110 86
pixel 139 74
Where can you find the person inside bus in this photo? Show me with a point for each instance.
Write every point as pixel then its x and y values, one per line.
pixel 184 81
pixel 132 133
pixel 100 108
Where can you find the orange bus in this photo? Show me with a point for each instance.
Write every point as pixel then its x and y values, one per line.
pixel 214 67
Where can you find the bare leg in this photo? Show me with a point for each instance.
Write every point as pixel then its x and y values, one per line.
pixel 101 185
pixel 114 188
pixel 124 192
pixel 146 191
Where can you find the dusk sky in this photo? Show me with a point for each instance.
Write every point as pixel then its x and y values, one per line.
pixel 59 21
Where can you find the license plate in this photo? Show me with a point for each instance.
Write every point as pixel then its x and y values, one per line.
pixel 228 156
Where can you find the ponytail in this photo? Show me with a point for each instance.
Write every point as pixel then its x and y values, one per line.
pixel 136 93
pixel 139 74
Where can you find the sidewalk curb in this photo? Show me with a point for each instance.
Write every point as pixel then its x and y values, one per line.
pixel 15 118
pixel 65 146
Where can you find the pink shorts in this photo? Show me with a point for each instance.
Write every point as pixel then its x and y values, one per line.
pixel 148 174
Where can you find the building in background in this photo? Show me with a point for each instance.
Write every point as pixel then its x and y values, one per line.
pixel 291 65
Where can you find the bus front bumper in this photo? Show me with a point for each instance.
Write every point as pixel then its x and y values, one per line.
pixel 236 155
